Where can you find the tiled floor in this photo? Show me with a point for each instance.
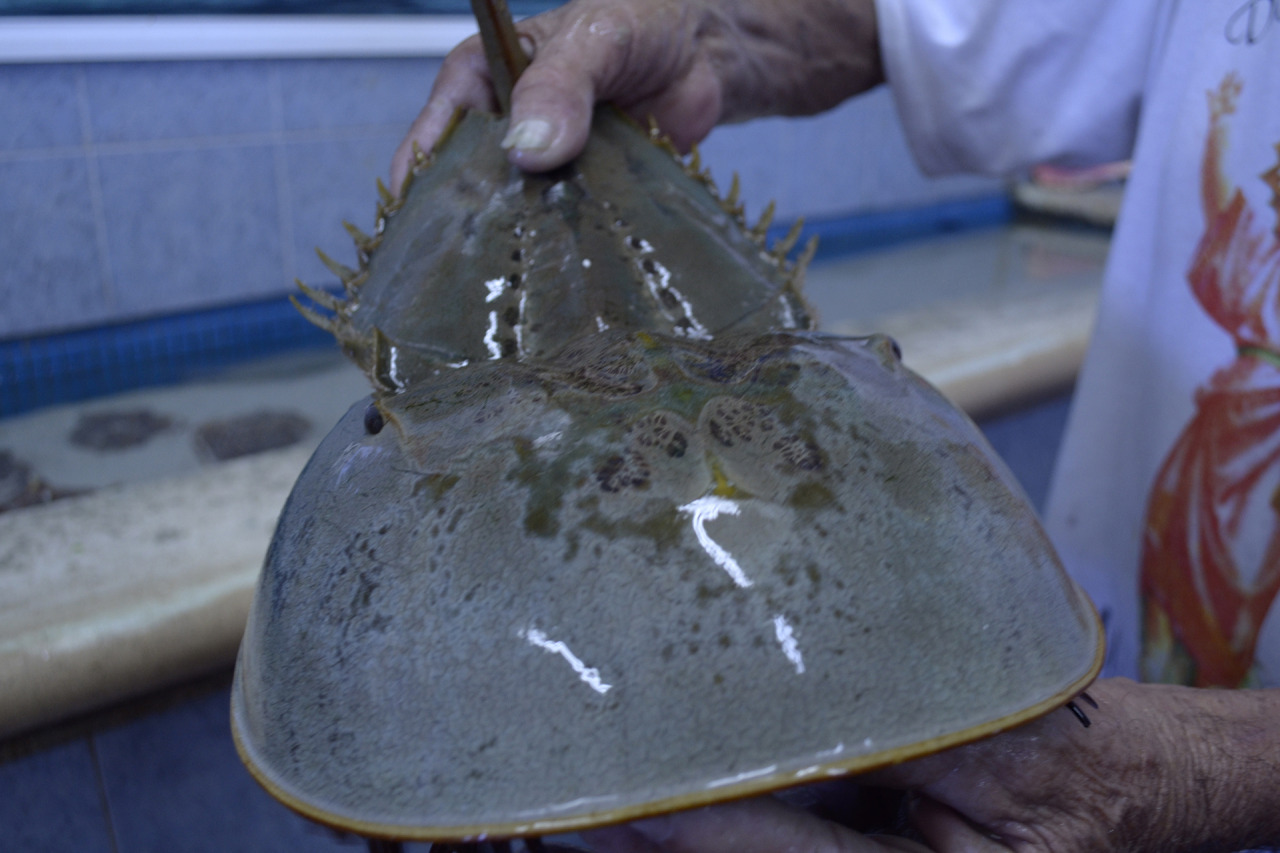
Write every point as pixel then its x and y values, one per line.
pixel 162 774
pixel 168 780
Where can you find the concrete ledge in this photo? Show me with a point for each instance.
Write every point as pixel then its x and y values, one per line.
pixel 132 587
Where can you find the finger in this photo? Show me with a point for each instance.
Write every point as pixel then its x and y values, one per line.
pixel 749 826
pixel 686 112
pixel 1046 738
pixel 946 831
pixel 577 51
pixel 463 83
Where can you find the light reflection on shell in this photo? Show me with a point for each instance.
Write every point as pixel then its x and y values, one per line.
pixel 548 598
pixel 617 534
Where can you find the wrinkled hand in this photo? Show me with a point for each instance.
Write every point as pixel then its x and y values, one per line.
pixel 688 64
pixel 1158 770
pixel 648 59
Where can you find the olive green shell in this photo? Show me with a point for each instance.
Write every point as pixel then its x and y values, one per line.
pixel 650 574
pixel 616 534
pixel 480 260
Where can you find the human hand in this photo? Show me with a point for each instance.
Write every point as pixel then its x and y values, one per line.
pixel 688 64
pixel 1160 769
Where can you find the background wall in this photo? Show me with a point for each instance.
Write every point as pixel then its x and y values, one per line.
pixel 130 190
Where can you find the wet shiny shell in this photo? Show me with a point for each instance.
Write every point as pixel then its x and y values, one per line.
pixel 481 260
pixel 653 573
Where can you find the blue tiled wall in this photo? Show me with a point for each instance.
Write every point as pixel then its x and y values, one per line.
pixel 137 189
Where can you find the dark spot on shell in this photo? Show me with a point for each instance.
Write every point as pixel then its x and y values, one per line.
pixel 799 453
pixel 373 422
pixel 657 431
pixel 509 347
pixel 511 315
pixel 513 281
pixel 609 372
pixel 706 594
pixel 719 433
pixel 453 522
pixel 811 495
pixel 364 592
pixel 623 472
pixel 540 520
pixel 436 485
pixel 732 421
pixel 668 299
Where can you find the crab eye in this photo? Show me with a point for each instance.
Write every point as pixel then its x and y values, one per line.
pixel 885 347
pixel 373 421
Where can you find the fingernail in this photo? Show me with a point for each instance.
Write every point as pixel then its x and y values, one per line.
pixel 532 134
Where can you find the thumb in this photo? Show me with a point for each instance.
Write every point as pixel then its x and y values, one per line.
pixel 551 108
pixel 946 831
pixel 573 53
pixel 646 60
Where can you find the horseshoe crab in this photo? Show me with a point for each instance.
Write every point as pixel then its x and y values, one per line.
pixel 617 533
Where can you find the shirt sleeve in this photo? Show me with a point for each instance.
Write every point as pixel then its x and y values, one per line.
pixel 995 86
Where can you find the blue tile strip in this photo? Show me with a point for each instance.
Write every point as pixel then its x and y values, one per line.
pixel 79 365
pixel 864 232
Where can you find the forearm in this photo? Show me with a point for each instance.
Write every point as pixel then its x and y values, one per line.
pixel 1228 743
pixel 1161 769
pixel 791 57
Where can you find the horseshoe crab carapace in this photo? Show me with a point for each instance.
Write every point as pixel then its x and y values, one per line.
pixel 616 533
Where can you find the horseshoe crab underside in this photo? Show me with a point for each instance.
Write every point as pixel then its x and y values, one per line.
pixel 616 534
pixel 658 574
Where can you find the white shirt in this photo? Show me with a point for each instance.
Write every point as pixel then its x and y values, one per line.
pixel 1167 491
